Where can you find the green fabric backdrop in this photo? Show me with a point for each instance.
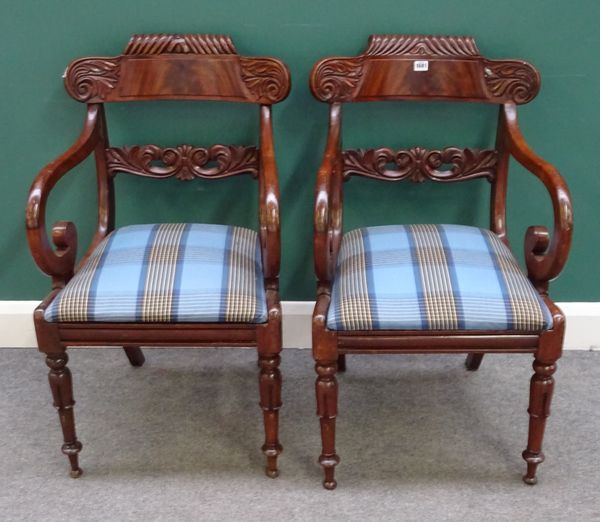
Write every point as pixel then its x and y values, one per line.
pixel 39 120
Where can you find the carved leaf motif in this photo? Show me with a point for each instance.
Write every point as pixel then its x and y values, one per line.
pixel 184 162
pixel 466 164
pixel 418 164
pixel 337 78
pixel 366 162
pixel 265 78
pixel 402 44
pixel 92 78
pixel 515 80
pixel 230 160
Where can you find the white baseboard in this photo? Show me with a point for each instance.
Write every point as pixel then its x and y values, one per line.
pixel 16 324
pixel 583 324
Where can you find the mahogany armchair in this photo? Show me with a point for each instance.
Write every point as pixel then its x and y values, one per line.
pixel 433 288
pixel 186 284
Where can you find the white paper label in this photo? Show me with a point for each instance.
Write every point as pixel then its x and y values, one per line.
pixel 420 65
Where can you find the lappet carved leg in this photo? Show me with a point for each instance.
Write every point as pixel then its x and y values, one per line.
pixel 62 392
pixel 341 362
pixel 473 361
pixel 326 387
pixel 270 402
pixel 542 386
pixel 135 355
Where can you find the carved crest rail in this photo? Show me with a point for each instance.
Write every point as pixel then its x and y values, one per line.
pixel 385 70
pixel 192 66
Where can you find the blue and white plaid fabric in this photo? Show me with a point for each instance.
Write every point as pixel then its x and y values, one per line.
pixel 168 273
pixel 431 277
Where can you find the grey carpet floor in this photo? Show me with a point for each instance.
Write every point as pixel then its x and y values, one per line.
pixel 419 437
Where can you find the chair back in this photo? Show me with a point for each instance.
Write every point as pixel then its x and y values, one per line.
pixel 200 67
pixel 421 67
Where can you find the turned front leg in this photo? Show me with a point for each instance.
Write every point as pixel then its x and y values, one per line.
pixel 541 388
pixel 270 402
pixel 326 388
pixel 62 392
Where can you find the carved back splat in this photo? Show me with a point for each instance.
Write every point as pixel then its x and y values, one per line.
pixel 183 162
pixel 418 164
pixel 169 66
pixel 418 67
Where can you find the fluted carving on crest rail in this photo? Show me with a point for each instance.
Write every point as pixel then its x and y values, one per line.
pixel 421 45
pixel 418 164
pixel 144 44
pixel 92 77
pixel 337 78
pixel 516 80
pixel 183 162
pixel 265 78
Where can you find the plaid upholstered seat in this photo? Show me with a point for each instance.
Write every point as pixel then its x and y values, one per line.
pixel 168 273
pixel 431 277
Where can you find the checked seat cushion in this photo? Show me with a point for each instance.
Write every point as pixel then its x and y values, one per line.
pixel 168 273
pixel 431 277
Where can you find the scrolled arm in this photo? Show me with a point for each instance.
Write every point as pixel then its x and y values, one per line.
pixel 269 222
pixel 327 210
pixel 59 263
pixel 545 257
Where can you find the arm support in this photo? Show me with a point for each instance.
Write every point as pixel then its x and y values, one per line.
pixel 58 263
pixel 328 204
pixel 268 198
pixel 544 257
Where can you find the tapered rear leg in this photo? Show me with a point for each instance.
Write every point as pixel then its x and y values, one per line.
pixel 473 361
pixel 61 387
pixel 341 362
pixel 135 355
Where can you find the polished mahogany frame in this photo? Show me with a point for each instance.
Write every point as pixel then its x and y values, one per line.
pixel 174 67
pixel 453 71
